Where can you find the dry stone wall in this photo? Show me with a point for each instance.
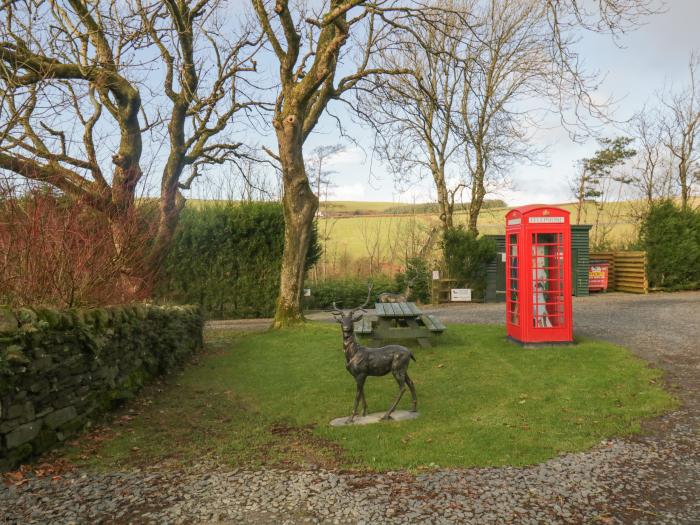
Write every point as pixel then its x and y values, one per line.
pixel 59 369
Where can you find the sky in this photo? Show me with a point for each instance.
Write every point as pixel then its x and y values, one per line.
pixel 634 69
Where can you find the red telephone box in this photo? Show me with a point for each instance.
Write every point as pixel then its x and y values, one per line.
pixel 538 275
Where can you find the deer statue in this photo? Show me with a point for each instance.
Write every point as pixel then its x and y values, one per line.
pixel 387 297
pixel 362 362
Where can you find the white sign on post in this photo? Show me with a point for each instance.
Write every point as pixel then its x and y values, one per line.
pixel 307 292
pixel 461 295
pixel 436 275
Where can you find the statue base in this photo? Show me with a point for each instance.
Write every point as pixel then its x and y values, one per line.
pixel 398 415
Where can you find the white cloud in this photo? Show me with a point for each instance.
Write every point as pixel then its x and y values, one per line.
pixel 350 156
pixel 533 196
pixel 348 192
pixel 418 193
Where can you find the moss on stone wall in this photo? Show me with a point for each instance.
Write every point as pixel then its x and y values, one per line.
pixel 61 368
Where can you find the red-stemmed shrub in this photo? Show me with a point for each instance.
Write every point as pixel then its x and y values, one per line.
pixel 61 252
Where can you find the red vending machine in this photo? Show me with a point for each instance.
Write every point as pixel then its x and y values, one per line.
pixel 538 275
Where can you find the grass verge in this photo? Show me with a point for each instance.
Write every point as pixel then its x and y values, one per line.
pixel 267 398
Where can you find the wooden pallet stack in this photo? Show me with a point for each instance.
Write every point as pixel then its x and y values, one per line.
pixel 631 272
pixel 627 271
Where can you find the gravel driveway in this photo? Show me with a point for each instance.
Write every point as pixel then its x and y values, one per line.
pixel 652 478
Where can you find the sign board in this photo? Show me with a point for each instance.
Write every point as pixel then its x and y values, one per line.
pixel 461 295
pixel 503 256
pixel 307 292
pixel 598 276
pixel 436 275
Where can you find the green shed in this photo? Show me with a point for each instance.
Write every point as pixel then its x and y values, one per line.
pixel 496 272
pixel 496 269
pixel 579 258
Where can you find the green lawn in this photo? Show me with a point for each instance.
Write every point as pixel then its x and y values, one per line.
pixel 267 399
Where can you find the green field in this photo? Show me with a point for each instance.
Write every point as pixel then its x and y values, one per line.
pixel 267 398
pixel 365 208
pixel 356 235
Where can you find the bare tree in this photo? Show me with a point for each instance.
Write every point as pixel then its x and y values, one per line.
pixel 510 65
pixel 395 235
pixel 681 128
pixel 652 176
pixel 371 235
pixel 475 92
pixel 413 114
pixel 525 59
pixel 321 176
pixel 413 237
pixel 86 87
pixel 582 190
pixel 523 66
pixel 309 45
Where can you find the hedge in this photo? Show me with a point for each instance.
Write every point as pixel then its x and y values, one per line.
pixel 347 293
pixel 671 237
pixel 467 257
pixel 351 292
pixel 226 257
pixel 59 369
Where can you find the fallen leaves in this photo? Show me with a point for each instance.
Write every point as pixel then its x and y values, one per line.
pixel 16 478
pixel 26 473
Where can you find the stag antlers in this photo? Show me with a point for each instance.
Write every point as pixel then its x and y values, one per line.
pixel 337 311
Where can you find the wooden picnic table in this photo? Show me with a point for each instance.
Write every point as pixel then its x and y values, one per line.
pixel 395 321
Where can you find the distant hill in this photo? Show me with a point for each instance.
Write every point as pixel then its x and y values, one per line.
pixel 356 208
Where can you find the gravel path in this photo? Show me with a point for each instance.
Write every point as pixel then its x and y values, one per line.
pixel 654 478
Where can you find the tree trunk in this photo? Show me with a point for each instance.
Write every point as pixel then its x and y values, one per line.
pixel 444 203
pixel 478 194
pixel 299 204
pixel 474 208
pixel 133 282
pixel 170 205
pixel 683 180
pixel 129 233
pixel 581 197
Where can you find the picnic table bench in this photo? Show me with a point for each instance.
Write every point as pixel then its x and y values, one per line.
pixel 400 321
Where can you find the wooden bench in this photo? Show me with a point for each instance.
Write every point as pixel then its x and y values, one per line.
pixel 396 321
pixel 363 326
pixel 432 323
pixel 397 310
